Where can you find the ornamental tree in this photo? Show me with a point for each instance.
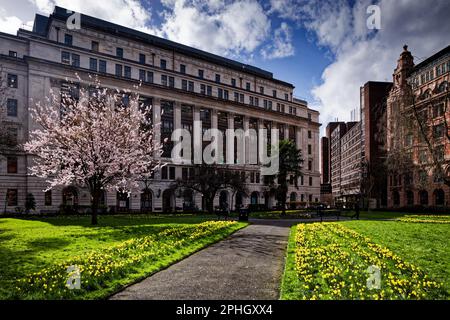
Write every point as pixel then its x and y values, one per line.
pixel 93 137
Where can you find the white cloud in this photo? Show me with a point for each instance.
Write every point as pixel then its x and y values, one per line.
pixel 281 45
pixel 10 23
pixel 230 29
pixel 129 13
pixel 362 55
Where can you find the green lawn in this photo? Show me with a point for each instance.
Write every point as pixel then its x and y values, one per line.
pixel 35 253
pixel 328 260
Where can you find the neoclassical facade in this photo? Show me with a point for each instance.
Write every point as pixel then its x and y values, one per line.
pixel 182 84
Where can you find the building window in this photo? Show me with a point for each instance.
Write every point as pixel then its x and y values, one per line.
pixel 149 76
pixel 274 93
pixel 309 134
pixel 163 64
pixel 48 198
pixel 164 173
pixel 93 64
pixel 12 80
pixel 68 39
pixel 171 82
pixel 182 68
pixel 202 89
pixel 233 82
pixel 217 78
pixel 11 106
pixel 438 131
pixel 261 90
pixel 251 101
pixel 12 197
pixel 236 97
pixel 172 173
pixel 163 80
pixel 209 90
pixel 225 94
pixel 309 165
pixel 127 72
pixel 11 164
pixel 75 60
pixel 220 93
pixel 94 46
pixel 13 54
pixel 65 57
pixel 102 66
pixel 191 86
pixel 286 97
pixel 241 98
pixel 247 86
pixel 142 75
pixel 200 73
pixel 141 58
pixel 119 52
pixel 309 117
pixel 184 84
pixel 310 182
pixel 309 149
pixel 118 70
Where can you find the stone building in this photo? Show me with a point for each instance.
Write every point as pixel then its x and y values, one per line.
pixel 420 92
pixel 188 84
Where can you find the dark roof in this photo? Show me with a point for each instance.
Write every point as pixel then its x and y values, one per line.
pixel 40 25
pixel 432 58
pixel 60 13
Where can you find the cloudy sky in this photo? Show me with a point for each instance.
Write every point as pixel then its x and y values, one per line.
pixel 323 47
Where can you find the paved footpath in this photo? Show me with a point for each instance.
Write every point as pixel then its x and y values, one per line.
pixel 248 265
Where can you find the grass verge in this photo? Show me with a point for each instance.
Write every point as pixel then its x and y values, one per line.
pixel 35 254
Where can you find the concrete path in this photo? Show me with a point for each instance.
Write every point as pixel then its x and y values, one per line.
pixel 248 265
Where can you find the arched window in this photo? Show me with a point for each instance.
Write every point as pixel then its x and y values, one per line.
pixel 423 197
pixel 439 197
pixel 409 198
pixel 70 196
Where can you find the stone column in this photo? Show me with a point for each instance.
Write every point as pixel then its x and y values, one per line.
pixel 157 120
pixel 230 138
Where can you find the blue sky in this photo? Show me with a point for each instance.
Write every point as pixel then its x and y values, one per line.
pixel 322 47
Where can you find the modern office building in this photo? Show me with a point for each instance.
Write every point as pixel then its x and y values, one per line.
pixel 181 83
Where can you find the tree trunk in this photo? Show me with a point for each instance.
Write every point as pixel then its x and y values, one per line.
pixel 210 205
pixel 94 207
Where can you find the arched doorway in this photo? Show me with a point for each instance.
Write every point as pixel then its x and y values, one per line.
pixel 409 198
pixel 188 200
pixel 70 196
pixel 168 200
pixel 146 200
pixel 254 198
pixel 439 197
pixel 396 198
pixel 423 197
pixel 123 201
pixel 223 199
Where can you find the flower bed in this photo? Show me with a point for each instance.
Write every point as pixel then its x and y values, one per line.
pixel 332 261
pixel 441 219
pixel 97 268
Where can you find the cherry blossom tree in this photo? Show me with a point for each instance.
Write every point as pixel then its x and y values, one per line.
pixel 97 138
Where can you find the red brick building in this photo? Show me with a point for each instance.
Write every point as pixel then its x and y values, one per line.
pixel 421 92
